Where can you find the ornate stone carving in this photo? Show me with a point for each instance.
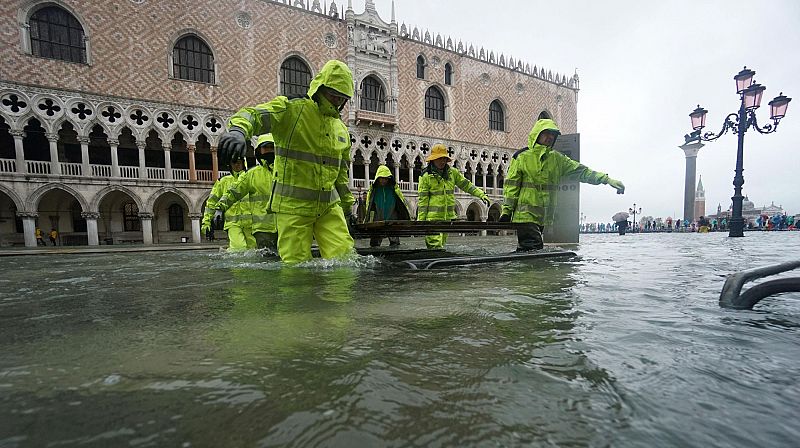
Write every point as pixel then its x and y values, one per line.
pixel 24 214
pixel 145 215
pixel 244 20
pixel 90 215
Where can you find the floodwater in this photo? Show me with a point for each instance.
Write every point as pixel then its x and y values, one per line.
pixel 624 346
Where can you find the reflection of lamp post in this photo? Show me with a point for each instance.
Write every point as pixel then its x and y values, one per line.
pixel 633 211
pixel 750 95
pixel 583 220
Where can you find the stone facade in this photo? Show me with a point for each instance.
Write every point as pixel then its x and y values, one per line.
pixel 80 140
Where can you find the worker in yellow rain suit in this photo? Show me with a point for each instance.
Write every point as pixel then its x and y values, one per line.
pixel 238 221
pixel 437 199
pixel 255 185
pixel 385 202
pixel 310 196
pixel 532 183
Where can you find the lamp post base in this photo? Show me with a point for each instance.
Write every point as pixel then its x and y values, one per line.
pixel 736 227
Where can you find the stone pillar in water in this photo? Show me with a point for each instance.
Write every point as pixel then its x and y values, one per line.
pixel 91 227
pixel 196 236
pixel 147 228
pixel 691 150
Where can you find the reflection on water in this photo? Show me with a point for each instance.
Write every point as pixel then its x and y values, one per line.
pixel 624 346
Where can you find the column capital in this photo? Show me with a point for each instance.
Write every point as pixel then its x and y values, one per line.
pixel 145 215
pixel 90 215
pixel 17 133
pixel 213 150
pixel 83 139
pixel 195 216
pixel 52 137
pixel 141 145
pixel 23 214
pixel 113 142
pixel 167 148
pixel 191 148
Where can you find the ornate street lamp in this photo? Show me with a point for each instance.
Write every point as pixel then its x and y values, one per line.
pixel 633 211
pixel 739 122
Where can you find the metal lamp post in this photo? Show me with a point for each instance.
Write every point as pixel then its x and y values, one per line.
pixel 739 122
pixel 633 211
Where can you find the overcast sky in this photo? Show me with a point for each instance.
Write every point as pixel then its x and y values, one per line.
pixel 643 66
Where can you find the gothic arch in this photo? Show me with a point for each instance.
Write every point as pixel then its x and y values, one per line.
pixel 98 198
pixel 287 55
pixel 30 7
pixel 545 114
pixel 18 203
pixel 36 196
pixel 160 192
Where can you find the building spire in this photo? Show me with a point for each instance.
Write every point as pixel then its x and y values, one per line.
pixel 393 21
pixel 370 6
pixel 349 5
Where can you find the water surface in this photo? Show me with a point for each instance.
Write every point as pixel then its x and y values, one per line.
pixel 624 346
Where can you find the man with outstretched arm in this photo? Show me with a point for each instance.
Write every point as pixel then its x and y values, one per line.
pixel 531 186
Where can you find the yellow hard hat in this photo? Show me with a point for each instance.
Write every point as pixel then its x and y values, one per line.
pixel 263 139
pixel 437 152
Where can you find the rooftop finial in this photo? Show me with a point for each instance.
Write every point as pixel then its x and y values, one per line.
pixel 393 13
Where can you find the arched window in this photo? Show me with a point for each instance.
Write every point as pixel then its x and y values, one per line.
pixel 372 95
pixel 130 217
pixel 497 118
pixel 434 104
pixel 295 77
pixel 175 218
pixel 448 74
pixel 192 60
pixel 57 34
pixel 420 67
pixel 544 115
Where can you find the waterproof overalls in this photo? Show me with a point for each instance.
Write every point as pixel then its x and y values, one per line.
pixel 255 185
pixel 238 221
pixel 312 154
pixel 531 186
pixel 385 203
pixel 437 199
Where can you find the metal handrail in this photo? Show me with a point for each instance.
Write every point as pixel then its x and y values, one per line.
pixel 733 297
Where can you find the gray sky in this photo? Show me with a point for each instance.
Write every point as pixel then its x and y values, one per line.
pixel 644 65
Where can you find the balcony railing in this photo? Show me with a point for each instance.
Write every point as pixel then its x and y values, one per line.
pixel 129 172
pixel 180 174
pixel 38 167
pixel 156 173
pixel 71 169
pixel 372 118
pixel 205 175
pixel 8 166
pixel 101 170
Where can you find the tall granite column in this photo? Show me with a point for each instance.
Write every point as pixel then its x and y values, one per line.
pixel 691 150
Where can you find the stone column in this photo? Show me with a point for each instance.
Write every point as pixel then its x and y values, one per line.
pixel 147 227
pixel 411 175
pixel 472 177
pixel 196 236
pixel 350 175
pixel 366 174
pixel 397 172
pixel 29 227
pixel 214 164
pixel 484 180
pixel 91 227
pixel 55 165
pixel 86 170
pixel 19 152
pixel 192 169
pixel 690 150
pixel 168 162
pixel 114 144
pixel 142 165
